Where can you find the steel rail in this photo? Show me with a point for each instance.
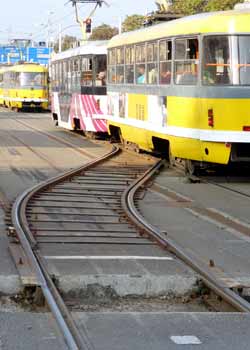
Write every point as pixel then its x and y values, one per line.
pixel 210 281
pixel 71 334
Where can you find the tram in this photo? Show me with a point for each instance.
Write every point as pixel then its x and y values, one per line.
pixel 25 85
pixel 78 98
pixel 1 85
pixel 183 88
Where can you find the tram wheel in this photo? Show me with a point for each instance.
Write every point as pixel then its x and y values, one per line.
pixel 90 135
pixel 191 167
pixel 171 159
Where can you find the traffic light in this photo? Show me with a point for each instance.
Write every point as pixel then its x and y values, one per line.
pixel 88 23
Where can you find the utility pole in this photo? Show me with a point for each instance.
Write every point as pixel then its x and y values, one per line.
pixel 85 24
pixel 60 39
pixel 49 24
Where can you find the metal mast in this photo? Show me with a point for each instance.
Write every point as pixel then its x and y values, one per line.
pixel 83 22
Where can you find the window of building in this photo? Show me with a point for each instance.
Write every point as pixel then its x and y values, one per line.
pixel 186 61
pixel 165 50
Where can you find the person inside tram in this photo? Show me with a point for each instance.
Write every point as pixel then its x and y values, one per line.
pixel 141 74
pixel 102 78
pixel 165 73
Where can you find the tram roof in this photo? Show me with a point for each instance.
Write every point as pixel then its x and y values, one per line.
pixel 234 21
pixel 26 67
pixel 90 48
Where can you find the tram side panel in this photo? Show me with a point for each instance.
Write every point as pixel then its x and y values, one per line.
pixel 190 90
pixel 144 120
pixel 79 112
pixel 79 98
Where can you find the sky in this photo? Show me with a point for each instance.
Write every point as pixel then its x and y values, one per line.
pixel 30 18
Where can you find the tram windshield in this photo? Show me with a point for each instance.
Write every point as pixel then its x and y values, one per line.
pixel 226 60
pixel 31 79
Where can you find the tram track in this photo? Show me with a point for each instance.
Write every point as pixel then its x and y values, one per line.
pixel 29 243
pixel 30 239
pixel 56 138
pixel 112 200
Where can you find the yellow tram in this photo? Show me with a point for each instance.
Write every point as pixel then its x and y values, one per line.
pixel 25 86
pixel 1 85
pixel 183 87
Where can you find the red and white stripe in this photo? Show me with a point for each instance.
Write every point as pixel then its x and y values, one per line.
pixel 84 108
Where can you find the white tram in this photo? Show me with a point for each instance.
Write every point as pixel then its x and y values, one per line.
pixel 78 88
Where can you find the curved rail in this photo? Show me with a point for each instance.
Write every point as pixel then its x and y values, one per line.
pixel 225 293
pixel 66 323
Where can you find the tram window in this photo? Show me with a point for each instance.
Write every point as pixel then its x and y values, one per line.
pixel 120 55
pixel 152 73
pixel 111 57
pixel 101 68
pixel 152 63
pixel 84 64
pixel 130 55
pixel 140 73
pixel 166 50
pixel 86 78
pixel 86 75
pixel 130 74
pixel 120 65
pixel 140 56
pixel 165 62
pixel 217 61
pixel 140 53
pixel 76 66
pixel 186 61
pixel 111 66
pixel 112 75
pixel 244 60
pixel 120 74
pixel 129 68
pixel 152 52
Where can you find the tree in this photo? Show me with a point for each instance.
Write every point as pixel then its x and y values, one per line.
pixel 132 22
pixel 217 5
pixel 103 32
pixel 68 42
pixel 188 7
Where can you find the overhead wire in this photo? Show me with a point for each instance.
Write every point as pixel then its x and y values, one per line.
pixel 57 21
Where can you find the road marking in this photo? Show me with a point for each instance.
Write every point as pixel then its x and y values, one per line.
pixel 186 340
pixel 96 257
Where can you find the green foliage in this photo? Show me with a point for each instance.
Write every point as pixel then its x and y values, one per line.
pixel 132 23
pixel 217 5
pixel 68 42
pixel 188 7
pixel 103 32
